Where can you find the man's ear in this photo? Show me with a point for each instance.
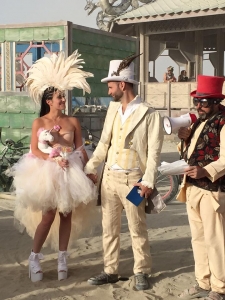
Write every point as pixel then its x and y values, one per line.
pixel 122 85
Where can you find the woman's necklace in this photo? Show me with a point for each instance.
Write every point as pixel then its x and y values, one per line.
pixel 56 126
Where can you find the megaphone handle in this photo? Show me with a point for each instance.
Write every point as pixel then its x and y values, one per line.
pixel 182 149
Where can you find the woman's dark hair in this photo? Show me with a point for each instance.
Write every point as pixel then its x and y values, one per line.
pixel 48 95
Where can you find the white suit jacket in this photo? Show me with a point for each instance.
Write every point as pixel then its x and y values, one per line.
pixel 145 136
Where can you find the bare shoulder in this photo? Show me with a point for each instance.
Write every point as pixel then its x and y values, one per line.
pixel 73 120
pixel 38 122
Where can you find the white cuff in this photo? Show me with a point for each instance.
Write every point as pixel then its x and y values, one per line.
pixel 147 184
pixel 88 170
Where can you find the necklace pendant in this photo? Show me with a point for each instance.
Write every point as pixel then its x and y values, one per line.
pixel 57 127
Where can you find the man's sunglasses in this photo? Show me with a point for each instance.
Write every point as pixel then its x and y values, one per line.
pixel 206 102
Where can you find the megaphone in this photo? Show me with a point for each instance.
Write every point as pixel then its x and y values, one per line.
pixel 171 125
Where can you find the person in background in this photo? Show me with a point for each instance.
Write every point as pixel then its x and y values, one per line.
pixel 183 76
pixel 169 76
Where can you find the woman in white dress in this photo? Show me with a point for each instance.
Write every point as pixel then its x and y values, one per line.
pixel 53 195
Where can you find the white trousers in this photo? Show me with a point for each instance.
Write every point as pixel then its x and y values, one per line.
pixel 115 187
pixel 206 213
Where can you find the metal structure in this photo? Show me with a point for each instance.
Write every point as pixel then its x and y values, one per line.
pixel 109 11
pixel 188 30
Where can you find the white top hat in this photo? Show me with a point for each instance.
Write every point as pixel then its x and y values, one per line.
pixel 126 74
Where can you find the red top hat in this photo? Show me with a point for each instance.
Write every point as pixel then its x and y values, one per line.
pixel 209 87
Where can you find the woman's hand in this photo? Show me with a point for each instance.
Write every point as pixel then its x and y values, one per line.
pixel 62 162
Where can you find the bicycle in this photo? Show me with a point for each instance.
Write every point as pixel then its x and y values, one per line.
pixel 9 155
pixel 167 185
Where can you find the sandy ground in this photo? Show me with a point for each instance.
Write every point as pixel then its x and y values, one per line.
pixel 172 257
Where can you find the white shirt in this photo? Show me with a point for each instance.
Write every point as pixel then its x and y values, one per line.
pixel 131 107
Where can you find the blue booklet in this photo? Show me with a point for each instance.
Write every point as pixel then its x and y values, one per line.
pixel 134 195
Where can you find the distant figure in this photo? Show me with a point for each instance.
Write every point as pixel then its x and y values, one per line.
pixel 183 76
pixel 169 76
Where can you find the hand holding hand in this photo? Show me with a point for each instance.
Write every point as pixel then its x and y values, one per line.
pixel 196 172
pixel 93 177
pixel 145 191
pixel 63 163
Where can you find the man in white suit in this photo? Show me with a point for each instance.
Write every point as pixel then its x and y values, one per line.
pixel 130 145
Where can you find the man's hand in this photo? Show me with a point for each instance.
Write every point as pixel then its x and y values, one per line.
pixel 196 172
pixel 145 191
pixel 184 133
pixel 93 177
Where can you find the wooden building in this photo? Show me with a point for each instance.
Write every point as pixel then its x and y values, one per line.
pixel 186 28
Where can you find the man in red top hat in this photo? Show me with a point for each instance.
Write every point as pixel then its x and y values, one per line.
pixel 204 189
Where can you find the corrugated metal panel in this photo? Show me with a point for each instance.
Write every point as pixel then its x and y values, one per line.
pixel 160 7
pixel 26 34
pixel 28 120
pixel 97 50
pixel 29 34
pixel 2 35
pixel 56 33
pixel 14 134
pixel 16 121
pixel 4 120
pixel 13 104
pixel 16 116
pixel 27 105
pixel 12 34
pixel 41 33
pixel 3 104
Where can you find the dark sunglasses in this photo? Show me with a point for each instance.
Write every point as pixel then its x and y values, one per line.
pixel 203 102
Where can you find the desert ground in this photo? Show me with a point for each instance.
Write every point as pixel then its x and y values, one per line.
pixel 169 236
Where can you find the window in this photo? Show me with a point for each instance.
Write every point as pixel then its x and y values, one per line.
pixel 26 54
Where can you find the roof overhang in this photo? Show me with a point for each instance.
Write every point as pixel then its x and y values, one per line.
pixel 128 18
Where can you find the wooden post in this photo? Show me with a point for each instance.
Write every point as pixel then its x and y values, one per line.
pixel 199 52
pixel 220 53
pixel 68 51
pixel 144 60
pixel 168 104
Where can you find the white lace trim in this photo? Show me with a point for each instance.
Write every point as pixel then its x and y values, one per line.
pixel 62 265
pixel 34 262
pixel 147 184
pixel 88 171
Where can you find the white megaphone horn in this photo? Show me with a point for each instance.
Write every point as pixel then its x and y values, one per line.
pixel 171 125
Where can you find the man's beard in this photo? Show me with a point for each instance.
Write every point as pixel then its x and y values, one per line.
pixel 204 116
pixel 117 97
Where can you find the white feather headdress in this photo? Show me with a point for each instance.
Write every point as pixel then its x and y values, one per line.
pixel 58 72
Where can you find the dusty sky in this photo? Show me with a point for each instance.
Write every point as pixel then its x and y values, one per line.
pixel 29 11
pixel 32 11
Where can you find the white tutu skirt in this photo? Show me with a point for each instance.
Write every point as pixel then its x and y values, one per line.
pixel 42 185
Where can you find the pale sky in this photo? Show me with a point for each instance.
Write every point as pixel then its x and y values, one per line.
pixel 32 11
